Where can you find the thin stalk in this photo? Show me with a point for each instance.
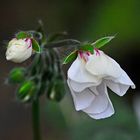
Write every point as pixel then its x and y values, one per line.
pixel 67 43
pixel 36 120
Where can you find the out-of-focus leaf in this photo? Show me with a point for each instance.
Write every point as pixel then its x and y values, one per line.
pixel 17 75
pixel 56 90
pixel 64 43
pixel 56 36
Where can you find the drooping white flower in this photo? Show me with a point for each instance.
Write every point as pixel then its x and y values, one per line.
pixel 88 83
pixel 110 71
pixel 19 50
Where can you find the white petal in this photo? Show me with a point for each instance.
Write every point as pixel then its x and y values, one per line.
pixel 103 66
pixel 124 79
pixel 82 99
pixel 108 112
pixel 18 50
pixel 78 87
pixel 78 73
pixel 120 85
pixel 100 102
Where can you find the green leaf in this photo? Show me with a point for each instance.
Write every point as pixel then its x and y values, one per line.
pixel 35 45
pixel 22 35
pixel 70 57
pixel 102 41
pixel 87 47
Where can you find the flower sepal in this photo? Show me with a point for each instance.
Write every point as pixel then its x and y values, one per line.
pixel 23 35
pixel 87 48
pixel 102 41
pixel 30 35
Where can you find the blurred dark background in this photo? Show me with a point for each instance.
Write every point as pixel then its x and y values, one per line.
pixel 83 20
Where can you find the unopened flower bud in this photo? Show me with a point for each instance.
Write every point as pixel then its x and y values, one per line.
pixel 57 89
pixel 26 91
pixel 17 75
pixel 19 50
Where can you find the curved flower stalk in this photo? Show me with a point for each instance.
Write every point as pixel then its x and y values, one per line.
pixel 88 79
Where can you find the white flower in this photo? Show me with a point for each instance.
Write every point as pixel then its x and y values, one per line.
pixel 19 50
pixel 88 81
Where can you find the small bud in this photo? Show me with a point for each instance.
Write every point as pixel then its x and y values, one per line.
pixel 17 75
pixel 26 91
pixel 56 89
pixel 19 50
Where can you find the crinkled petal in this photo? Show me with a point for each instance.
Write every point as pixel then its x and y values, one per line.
pixel 120 85
pixel 83 99
pixel 125 79
pixel 78 87
pixel 102 66
pixel 108 112
pixel 78 73
pixel 100 102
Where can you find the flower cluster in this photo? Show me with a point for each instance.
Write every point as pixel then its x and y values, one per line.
pixel 43 75
pixel 88 79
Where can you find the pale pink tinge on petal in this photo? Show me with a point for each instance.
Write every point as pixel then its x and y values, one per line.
pixel 78 73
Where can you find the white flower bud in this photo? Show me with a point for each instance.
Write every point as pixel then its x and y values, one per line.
pixel 19 50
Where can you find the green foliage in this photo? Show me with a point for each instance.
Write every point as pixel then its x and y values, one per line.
pixel 102 41
pixel 17 75
pixel 56 90
pixel 26 91
pixel 71 57
pixel 35 45
pixel 87 47
pixel 22 35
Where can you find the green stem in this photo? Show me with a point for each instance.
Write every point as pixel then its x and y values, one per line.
pixel 36 120
pixel 61 43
